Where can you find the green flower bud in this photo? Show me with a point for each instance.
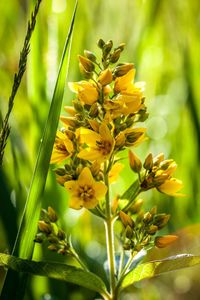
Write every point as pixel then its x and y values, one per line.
pixel 52 214
pixel 90 55
pixel 100 43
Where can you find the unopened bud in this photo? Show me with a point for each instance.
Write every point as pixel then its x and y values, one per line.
pixel 135 162
pixel 122 69
pixel 129 232
pixel 44 227
pixel 164 241
pixel 84 72
pixel 157 160
pixel 152 229
pixel 95 168
pixel 93 112
pixel 86 63
pixel 115 56
pixel 148 163
pixel 90 55
pixel 147 217
pixel 60 171
pixel 78 106
pixel 107 48
pixel 105 77
pixel 53 247
pixel 126 219
pixel 161 220
pixel 61 234
pixel 39 238
pixel 100 43
pixel 52 214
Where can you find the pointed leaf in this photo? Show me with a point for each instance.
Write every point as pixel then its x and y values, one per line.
pixel 157 267
pixel 55 270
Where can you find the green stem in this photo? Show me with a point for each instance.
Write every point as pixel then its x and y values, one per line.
pixel 109 222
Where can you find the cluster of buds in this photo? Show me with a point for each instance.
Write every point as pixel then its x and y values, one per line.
pixel 139 228
pixel 156 173
pixel 100 123
pixel 49 231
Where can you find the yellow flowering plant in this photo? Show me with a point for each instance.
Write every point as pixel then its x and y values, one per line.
pixel 105 119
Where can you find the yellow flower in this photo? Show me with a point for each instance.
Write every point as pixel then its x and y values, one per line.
pixel 85 191
pixel 87 91
pixel 124 82
pixel 171 187
pixel 99 145
pixel 63 148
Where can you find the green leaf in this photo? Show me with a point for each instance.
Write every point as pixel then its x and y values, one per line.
pixel 131 191
pixel 24 244
pixel 157 267
pixel 55 270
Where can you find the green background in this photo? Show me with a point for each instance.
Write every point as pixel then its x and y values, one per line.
pixel 162 39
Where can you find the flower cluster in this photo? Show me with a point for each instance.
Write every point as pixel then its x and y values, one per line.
pixel 49 231
pixel 105 119
pixel 102 121
pixel 139 228
pixel 157 173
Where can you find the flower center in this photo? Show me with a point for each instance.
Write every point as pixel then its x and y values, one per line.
pixel 104 146
pixel 86 193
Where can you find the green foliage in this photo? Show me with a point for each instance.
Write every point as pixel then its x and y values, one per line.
pixel 158 267
pixel 55 270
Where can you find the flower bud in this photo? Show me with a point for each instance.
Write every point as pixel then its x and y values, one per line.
pixel 100 43
pixel 44 227
pixel 126 219
pixel 93 112
pixel 148 163
pixel 84 72
pixel 161 220
pixel 90 55
pixel 78 106
pixel 122 69
pixel 61 234
pixel 107 48
pixel 86 63
pixel 53 247
pixel 152 229
pixel 147 218
pixel 129 232
pixel 135 162
pixel 105 77
pixel 115 56
pixel 52 214
pixel 164 241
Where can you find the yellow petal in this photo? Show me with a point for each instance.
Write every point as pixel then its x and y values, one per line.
pixel 100 189
pixel 170 187
pixel 71 186
pixel 76 203
pixel 85 178
pixel 91 204
pixel 114 172
pixel 122 83
pixel 88 136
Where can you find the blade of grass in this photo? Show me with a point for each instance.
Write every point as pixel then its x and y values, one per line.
pixel 28 227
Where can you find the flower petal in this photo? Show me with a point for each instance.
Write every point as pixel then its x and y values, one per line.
pixel 85 178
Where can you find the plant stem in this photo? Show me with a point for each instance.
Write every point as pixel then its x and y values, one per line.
pixel 109 222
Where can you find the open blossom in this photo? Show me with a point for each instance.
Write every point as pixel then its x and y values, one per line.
pixel 86 91
pixel 85 191
pixel 99 145
pixel 63 147
pixel 171 187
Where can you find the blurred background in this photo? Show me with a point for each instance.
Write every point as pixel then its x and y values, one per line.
pixel 162 39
